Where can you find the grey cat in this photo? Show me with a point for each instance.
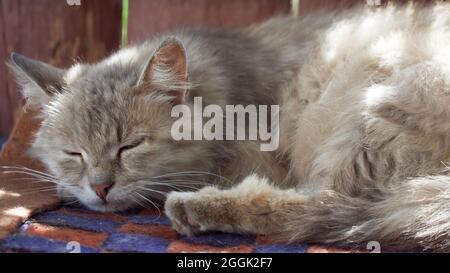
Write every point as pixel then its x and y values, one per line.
pixel 364 131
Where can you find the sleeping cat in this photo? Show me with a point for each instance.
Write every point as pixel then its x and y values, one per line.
pixel 364 128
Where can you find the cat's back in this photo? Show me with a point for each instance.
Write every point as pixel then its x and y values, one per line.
pixel 341 54
pixel 347 55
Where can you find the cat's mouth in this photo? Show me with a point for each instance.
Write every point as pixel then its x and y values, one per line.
pixel 108 205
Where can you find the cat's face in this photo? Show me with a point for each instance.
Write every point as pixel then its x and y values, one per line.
pixel 117 139
pixel 106 136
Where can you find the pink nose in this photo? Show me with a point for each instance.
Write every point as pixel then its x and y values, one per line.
pixel 102 190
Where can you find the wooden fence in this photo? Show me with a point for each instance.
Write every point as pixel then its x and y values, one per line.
pixel 56 32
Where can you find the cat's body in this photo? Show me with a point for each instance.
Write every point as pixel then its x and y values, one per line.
pixel 364 127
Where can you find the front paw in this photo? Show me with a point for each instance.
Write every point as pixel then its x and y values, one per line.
pixel 179 212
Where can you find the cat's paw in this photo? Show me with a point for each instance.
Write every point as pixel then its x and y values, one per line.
pixel 209 209
pixel 179 211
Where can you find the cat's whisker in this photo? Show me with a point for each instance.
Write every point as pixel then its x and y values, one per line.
pixel 76 201
pixel 193 173
pixel 40 181
pixel 152 190
pixel 221 178
pixel 176 186
pixel 30 174
pixel 27 169
pixel 25 179
pixel 184 181
pixel 38 191
pixel 43 181
pixel 22 172
pixel 150 201
pixel 32 180
pixel 190 181
pixel 134 198
pixel 181 187
pixel 67 195
pixel 172 184
pixel 44 186
pixel 46 189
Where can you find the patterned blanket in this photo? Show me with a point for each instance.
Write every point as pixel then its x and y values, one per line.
pixel 79 230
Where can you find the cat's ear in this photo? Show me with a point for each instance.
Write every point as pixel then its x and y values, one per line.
pixel 39 81
pixel 166 70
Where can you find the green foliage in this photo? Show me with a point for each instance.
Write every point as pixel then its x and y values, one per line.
pixel 124 23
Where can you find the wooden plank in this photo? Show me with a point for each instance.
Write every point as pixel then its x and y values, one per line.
pixel 308 6
pixel 54 32
pixel 150 17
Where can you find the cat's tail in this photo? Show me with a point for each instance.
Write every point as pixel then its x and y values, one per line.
pixel 412 214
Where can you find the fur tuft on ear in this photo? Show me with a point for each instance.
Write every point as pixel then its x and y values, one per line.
pixel 39 81
pixel 166 70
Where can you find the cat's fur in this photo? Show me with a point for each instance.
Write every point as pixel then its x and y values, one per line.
pixel 364 129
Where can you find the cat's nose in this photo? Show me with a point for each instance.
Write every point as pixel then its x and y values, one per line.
pixel 102 189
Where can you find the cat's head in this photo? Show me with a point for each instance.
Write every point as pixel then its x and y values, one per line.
pixel 105 134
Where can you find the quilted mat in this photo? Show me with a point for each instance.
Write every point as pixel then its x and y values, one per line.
pixel 79 230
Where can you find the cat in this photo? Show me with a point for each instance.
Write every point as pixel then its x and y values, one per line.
pixel 364 127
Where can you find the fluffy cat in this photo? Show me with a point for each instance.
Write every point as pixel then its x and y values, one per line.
pixel 364 127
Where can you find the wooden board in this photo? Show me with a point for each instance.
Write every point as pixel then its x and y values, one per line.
pixel 150 17
pixel 54 32
pixel 307 6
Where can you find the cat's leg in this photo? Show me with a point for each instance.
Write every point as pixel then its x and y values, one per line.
pixel 254 206
pixel 412 214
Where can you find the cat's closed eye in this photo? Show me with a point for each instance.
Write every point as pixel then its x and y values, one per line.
pixel 131 145
pixel 74 154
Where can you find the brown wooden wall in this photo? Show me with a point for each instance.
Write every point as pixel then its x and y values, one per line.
pixel 53 31
pixel 149 17
pixel 308 6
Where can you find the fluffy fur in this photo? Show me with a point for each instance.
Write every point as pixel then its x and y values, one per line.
pixel 364 127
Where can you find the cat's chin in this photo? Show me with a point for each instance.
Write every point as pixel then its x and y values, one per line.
pixel 92 202
pixel 108 207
